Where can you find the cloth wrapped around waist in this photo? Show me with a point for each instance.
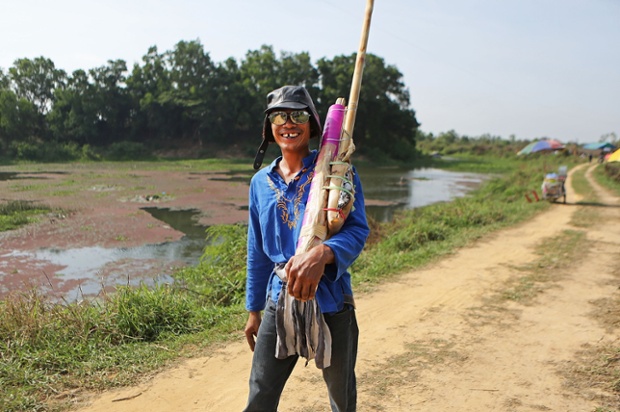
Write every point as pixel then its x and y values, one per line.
pixel 301 328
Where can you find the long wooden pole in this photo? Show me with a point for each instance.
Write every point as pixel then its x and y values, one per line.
pixel 341 191
pixel 314 228
pixel 356 84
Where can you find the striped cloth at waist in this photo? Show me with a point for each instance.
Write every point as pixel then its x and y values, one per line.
pixel 301 328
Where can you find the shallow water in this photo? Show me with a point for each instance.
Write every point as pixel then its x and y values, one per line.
pixel 408 189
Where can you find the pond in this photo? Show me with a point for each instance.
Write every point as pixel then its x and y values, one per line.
pixel 387 190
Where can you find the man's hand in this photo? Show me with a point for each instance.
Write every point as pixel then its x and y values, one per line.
pixel 251 329
pixel 304 271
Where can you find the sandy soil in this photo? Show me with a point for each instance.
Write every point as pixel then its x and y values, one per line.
pixel 431 341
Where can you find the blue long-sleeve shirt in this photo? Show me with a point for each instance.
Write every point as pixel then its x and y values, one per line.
pixel 276 211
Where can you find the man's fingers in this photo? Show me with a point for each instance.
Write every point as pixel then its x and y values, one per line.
pixel 302 291
pixel 307 292
pixel 250 338
pixel 291 285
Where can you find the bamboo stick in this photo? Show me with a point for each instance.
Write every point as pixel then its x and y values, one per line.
pixel 332 161
pixel 341 196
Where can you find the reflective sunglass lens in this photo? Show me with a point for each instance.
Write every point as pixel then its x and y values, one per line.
pixel 298 117
pixel 278 118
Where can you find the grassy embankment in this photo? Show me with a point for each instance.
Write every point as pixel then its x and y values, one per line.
pixel 52 352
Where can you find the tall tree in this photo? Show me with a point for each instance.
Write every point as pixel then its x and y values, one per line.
pixel 76 112
pixel 384 113
pixel 36 80
pixel 156 118
pixel 191 72
pixel 4 80
pixel 114 103
pixel 18 119
pixel 232 121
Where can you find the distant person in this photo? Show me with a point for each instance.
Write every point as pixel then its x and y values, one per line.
pixel 277 198
pixel 590 158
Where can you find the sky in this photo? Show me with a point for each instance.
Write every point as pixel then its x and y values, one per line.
pixel 522 68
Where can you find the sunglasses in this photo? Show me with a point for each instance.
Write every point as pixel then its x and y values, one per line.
pixel 297 117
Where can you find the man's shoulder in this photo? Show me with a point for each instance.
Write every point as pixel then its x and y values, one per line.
pixel 260 174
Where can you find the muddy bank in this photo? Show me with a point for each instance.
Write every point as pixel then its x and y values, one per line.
pixel 96 209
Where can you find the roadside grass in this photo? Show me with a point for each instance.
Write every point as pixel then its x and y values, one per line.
pixel 556 256
pixel 403 370
pixel 54 352
pixel 596 367
pixel 588 214
pixel 417 237
pixel 608 176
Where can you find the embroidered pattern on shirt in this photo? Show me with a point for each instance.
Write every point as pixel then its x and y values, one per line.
pixel 282 201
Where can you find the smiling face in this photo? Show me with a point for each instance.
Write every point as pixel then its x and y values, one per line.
pixel 292 137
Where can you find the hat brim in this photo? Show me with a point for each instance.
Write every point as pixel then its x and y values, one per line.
pixel 286 105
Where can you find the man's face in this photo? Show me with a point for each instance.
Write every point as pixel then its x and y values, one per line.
pixel 291 136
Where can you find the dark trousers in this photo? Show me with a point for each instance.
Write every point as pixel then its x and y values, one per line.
pixel 269 374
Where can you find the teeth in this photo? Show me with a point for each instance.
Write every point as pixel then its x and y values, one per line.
pixel 290 135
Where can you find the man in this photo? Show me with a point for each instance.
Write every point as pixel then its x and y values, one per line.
pixel 277 200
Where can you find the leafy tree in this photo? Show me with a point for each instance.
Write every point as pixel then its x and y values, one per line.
pixel 4 80
pixel 113 102
pixel 35 80
pixel 75 115
pixel 383 113
pixel 232 122
pixel 154 118
pixel 262 72
pixel 298 69
pixel 609 137
pixel 191 72
pixel 181 97
pixel 18 119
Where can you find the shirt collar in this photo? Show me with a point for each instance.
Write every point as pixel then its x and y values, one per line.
pixel 308 160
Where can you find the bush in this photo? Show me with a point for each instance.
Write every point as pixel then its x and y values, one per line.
pixel 40 151
pixel 146 314
pixel 220 275
pixel 120 151
pixel 613 171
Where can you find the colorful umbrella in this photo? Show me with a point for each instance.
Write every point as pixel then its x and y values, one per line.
pixel 541 145
pixel 614 157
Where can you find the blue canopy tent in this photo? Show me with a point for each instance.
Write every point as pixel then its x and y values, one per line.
pixel 599 146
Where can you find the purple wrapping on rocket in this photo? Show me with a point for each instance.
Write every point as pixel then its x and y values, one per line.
pixel 333 126
pixel 330 140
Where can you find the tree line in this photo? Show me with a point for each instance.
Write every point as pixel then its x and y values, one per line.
pixel 182 98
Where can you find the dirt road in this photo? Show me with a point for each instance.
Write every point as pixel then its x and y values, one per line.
pixel 435 340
